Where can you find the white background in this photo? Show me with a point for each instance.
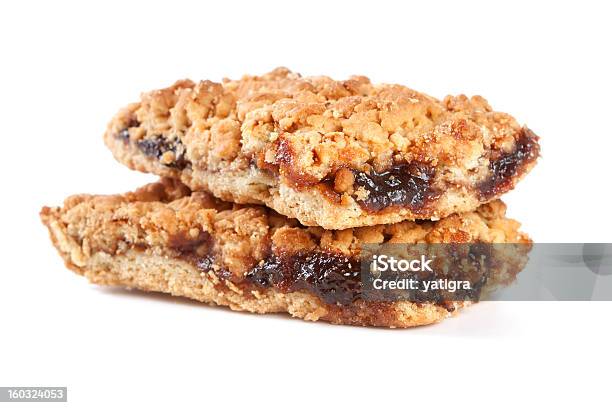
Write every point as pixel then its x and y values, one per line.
pixel 66 69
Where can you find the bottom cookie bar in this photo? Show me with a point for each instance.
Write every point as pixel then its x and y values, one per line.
pixel 164 238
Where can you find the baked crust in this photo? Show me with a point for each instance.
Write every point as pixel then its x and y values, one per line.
pixel 164 238
pixel 336 154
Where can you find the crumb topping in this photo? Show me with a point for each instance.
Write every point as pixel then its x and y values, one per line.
pixel 312 127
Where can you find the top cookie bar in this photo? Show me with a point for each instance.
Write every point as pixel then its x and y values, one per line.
pixel 337 154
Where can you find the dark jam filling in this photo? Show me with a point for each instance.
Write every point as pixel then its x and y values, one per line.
pixel 337 279
pixel 124 134
pixel 334 278
pixel 158 145
pixel 507 166
pixel 405 185
pixel 189 245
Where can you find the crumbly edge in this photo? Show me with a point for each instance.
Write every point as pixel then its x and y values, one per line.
pixel 136 239
pixel 213 133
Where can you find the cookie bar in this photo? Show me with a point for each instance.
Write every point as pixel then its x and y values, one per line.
pixel 335 154
pixel 165 238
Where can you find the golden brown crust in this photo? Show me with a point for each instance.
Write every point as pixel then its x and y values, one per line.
pixel 296 145
pixel 149 239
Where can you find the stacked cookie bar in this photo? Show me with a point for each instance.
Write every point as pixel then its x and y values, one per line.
pixel 271 185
